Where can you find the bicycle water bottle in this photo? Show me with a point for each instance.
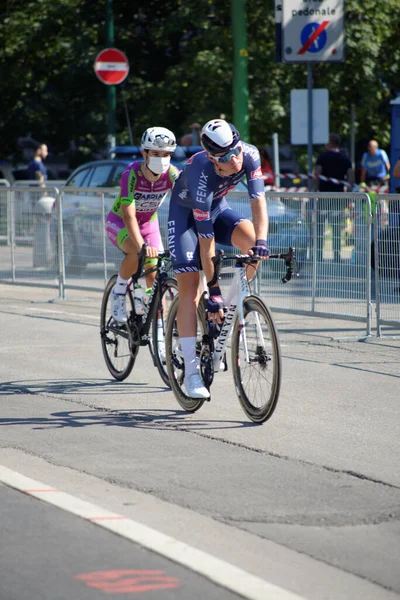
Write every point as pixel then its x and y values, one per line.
pixel 139 299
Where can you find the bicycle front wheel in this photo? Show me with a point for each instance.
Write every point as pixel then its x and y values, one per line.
pixel 256 361
pixel 175 362
pixel 157 348
pixel 115 340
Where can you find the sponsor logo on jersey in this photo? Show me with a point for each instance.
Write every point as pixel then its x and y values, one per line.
pixel 143 196
pixel 257 174
pixel 202 188
pixel 183 194
pixel 201 215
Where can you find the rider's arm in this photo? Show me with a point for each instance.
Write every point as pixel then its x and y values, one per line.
pixel 258 203
pixel 130 221
pixel 207 251
pixel 260 216
pixel 396 170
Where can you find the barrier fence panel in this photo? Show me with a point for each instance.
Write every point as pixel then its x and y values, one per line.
pixel 28 252
pixel 332 238
pixel 89 257
pixel 4 219
pixel 66 245
pixel 387 261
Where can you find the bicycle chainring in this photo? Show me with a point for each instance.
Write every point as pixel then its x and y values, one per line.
pixel 206 365
pixel 134 339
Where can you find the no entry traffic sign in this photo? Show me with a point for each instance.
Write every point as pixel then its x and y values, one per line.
pixel 313 31
pixel 111 66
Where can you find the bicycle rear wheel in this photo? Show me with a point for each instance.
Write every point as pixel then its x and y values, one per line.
pixel 115 338
pixel 257 379
pixel 157 347
pixel 175 362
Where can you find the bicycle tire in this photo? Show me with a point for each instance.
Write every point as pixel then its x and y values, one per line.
pixel 175 364
pixel 169 290
pixel 115 339
pixel 265 367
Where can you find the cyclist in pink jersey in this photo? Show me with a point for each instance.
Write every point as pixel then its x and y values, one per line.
pixel 132 220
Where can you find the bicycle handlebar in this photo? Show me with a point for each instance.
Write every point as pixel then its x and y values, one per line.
pixel 289 258
pixel 142 257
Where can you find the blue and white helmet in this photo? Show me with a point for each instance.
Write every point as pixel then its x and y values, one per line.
pixel 219 136
pixel 158 138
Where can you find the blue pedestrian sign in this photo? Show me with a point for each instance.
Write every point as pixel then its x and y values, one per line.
pixel 312 31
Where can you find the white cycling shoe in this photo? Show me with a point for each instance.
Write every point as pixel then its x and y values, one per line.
pixel 118 307
pixel 195 387
pixel 161 352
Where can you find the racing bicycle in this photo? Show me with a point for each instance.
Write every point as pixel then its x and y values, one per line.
pixel 121 341
pixel 255 350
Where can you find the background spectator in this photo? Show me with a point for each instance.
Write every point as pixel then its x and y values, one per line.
pixel 36 169
pixel 375 165
pixel 266 167
pixel 333 164
pixel 192 138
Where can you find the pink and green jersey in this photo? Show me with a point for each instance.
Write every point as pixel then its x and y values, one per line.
pixel 147 197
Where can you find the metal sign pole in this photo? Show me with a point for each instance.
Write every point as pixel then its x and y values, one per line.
pixel 310 126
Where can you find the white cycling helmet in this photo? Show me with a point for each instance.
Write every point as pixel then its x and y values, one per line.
pixel 158 138
pixel 218 136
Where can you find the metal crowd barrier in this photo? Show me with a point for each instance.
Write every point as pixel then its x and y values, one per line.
pixel 387 262
pixel 332 237
pixel 4 213
pixel 57 239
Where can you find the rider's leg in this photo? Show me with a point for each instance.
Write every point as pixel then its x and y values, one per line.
pixel 188 287
pixel 244 236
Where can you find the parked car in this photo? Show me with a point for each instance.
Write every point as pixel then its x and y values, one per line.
pixel 83 222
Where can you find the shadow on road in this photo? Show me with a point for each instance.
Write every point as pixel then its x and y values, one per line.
pixel 143 418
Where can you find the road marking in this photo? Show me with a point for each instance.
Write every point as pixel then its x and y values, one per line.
pixel 129 581
pixel 215 569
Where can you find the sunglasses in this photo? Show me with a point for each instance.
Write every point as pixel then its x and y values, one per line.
pixel 227 157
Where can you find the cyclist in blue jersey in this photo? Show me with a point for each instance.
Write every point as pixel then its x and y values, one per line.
pixel 199 216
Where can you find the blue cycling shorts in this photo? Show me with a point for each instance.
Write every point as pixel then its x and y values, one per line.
pixel 183 239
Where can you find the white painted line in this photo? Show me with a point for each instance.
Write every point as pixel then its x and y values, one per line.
pixel 220 572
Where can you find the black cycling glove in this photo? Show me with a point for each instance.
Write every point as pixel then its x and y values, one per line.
pixel 260 249
pixel 215 301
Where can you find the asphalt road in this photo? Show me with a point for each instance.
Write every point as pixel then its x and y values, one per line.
pixel 308 502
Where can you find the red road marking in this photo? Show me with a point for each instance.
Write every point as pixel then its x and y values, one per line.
pixel 127 581
pixel 313 37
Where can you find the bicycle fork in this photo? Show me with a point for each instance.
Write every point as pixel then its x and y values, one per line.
pixel 243 293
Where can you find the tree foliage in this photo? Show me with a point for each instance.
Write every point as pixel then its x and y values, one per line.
pixel 181 59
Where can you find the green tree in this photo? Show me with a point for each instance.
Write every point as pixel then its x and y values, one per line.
pixel 180 54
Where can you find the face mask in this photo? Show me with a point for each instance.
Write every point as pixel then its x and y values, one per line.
pixel 158 165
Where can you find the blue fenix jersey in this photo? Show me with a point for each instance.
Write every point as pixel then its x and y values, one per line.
pixel 200 188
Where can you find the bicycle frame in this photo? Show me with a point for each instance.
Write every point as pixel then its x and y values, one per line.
pixel 153 303
pixel 238 291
